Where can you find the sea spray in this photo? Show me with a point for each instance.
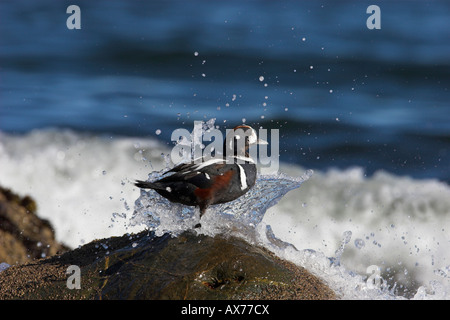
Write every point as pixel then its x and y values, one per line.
pixel 346 237
pixel 160 215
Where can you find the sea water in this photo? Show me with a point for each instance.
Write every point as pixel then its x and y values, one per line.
pixel 335 223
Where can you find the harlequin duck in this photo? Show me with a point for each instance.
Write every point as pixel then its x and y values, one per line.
pixel 213 181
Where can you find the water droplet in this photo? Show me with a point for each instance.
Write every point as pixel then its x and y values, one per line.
pixel 359 243
pixel 346 237
pixel 158 132
pixel 261 78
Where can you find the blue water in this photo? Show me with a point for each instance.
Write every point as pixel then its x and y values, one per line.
pixel 342 95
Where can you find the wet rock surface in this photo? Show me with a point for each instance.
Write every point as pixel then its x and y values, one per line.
pixel 24 236
pixel 143 266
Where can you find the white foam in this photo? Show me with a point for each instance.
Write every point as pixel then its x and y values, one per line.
pixel 78 180
pixel 397 223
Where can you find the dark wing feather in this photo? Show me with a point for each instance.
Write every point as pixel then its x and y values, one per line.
pixel 188 172
pixel 182 167
pixel 185 173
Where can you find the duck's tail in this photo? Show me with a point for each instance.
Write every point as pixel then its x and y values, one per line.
pixel 148 185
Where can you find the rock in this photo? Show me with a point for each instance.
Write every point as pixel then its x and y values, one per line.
pixel 143 266
pixel 23 235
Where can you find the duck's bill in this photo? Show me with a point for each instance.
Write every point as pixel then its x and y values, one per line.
pixel 261 141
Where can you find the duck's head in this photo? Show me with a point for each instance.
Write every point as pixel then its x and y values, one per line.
pixel 239 140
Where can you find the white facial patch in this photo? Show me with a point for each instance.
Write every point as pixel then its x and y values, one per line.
pixel 253 138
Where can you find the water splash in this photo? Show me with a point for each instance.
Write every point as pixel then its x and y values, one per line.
pixel 159 215
pixel 162 216
pixel 4 266
pixel 346 237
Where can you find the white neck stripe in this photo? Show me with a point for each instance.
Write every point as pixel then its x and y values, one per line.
pixel 244 159
pixel 243 177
